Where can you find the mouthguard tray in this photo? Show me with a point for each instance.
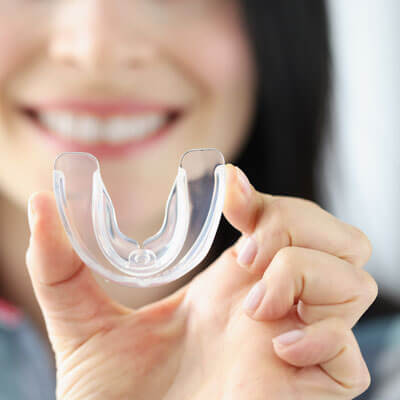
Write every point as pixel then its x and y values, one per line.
pixel 192 214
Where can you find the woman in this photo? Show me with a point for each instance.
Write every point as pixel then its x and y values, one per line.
pixel 137 83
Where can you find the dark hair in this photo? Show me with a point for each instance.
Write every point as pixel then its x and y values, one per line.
pixel 291 47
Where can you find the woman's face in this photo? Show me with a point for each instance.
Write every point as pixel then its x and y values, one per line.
pixel 135 82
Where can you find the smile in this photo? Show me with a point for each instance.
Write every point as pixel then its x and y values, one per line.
pixel 103 130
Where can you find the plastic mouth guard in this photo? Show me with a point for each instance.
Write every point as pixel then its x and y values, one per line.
pixel 192 215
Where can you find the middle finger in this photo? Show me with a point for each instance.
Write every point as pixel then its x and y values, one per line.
pixel 322 286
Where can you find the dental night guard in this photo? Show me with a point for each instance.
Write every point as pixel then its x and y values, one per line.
pixel 192 215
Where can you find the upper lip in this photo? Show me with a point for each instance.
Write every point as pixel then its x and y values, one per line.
pixel 102 108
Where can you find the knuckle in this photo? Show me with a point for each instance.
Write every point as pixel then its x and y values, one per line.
pixel 278 214
pixel 274 222
pixel 283 206
pixel 282 209
pixel 362 380
pixel 291 201
pixel 280 203
pixel 285 269
pixel 310 203
pixel 286 259
pixel 361 244
pixel 337 330
pixel 365 381
pixel 284 273
pixel 369 288
pixel 259 211
pixel 358 379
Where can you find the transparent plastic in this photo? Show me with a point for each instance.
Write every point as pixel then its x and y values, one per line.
pixel 192 214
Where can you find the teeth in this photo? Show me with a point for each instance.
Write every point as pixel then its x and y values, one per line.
pixel 88 128
pixel 109 130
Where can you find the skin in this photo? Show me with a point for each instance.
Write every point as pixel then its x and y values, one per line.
pixel 103 50
pixel 194 346
pixel 195 55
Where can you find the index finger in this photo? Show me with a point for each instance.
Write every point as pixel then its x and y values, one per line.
pixel 72 303
pixel 269 223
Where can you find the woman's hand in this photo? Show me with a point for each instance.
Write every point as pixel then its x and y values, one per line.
pixel 290 339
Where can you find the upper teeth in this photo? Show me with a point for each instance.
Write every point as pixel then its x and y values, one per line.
pixel 92 129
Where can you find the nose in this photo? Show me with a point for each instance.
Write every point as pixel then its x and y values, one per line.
pixel 96 34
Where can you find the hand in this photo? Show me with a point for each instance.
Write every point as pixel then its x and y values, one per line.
pixel 205 341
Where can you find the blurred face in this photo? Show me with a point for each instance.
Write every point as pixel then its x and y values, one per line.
pixel 134 82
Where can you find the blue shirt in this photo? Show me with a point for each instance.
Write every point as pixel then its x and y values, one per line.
pixel 26 371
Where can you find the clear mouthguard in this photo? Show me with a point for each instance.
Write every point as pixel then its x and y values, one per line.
pixel 192 215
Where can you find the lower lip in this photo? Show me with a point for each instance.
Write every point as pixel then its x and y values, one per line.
pixel 102 150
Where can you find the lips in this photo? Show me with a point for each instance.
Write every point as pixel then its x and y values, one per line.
pixel 102 129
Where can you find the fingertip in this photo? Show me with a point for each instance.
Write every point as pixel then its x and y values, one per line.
pixel 313 344
pixel 284 340
pixel 40 205
pixel 293 348
pixel 38 199
pixel 44 220
pixel 232 195
pixel 254 298
pixel 240 206
pixel 271 306
pixel 243 182
pixel 247 252
pixel 49 245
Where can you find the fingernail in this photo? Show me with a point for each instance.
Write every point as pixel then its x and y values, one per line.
pixel 255 296
pixel 247 252
pixel 244 182
pixel 289 337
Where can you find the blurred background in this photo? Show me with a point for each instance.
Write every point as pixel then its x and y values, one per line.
pixel 361 164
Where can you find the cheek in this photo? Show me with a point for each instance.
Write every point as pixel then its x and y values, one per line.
pixel 218 51
pixel 224 68
pixel 224 63
pixel 10 49
pixel 21 34
pixel 17 42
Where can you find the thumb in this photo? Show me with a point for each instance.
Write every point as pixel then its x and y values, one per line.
pixel 73 305
pixel 243 204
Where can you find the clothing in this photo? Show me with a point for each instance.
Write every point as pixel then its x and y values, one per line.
pixel 25 364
